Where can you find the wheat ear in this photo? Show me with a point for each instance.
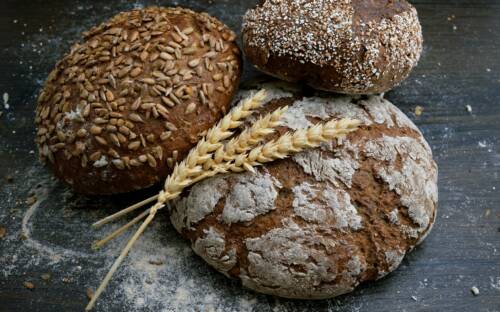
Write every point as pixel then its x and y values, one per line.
pixel 292 142
pixel 249 138
pixel 201 153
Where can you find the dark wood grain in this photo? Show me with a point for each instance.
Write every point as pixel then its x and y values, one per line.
pixel 460 66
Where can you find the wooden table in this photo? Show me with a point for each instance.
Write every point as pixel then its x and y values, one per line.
pixel 47 237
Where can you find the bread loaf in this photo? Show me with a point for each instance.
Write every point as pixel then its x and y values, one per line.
pixel 125 104
pixel 351 46
pixel 320 223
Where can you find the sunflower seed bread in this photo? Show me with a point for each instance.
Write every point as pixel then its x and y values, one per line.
pixel 125 104
pixel 344 46
pixel 320 223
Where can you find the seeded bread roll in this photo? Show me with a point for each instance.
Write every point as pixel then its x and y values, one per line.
pixel 132 98
pixel 353 46
pixel 320 223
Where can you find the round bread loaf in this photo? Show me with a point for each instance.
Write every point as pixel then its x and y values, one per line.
pixel 318 224
pixel 353 46
pixel 132 98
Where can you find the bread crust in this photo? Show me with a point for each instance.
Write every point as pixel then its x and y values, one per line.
pixel 134 96
pixel 318 224
pixel 352 47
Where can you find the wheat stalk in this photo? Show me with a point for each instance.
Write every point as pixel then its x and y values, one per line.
pixel 249 138
pixel 202 151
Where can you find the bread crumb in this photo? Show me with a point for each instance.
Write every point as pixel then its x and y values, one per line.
pixel 418 110
pixel 31 200
pixel 29 285
pixel 2 232
pixel 6 100
pixel 67 280
pixel 46 277
pixel 90 293
pixel 474 290
pixel 468 108
pixel 156 262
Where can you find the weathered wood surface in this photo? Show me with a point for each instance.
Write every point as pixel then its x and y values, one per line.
pixel 460 66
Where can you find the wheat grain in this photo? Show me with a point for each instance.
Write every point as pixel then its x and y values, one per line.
pixel 248 139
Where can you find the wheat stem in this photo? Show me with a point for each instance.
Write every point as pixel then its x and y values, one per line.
pixel 119 260
pixel 123 212
pixel 98 244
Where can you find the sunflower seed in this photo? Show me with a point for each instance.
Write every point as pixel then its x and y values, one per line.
pixel 134 162
pixel 151 161
pixel 101 140
pixel 135 117
pixel 165 135
pixel 95 156
pixel 136 72
pixel 113 153
pixel 170 126
pixel 134 145
pixel 121 138
pixel 194 62
pixel 158 151
pixel 81 133
pixel 149 81
pixel 165 56
pixel 114 139
pixel 118 163
pixel 136 104
pixel 190 108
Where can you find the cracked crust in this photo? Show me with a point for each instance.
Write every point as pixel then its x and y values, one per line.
pixel 320 223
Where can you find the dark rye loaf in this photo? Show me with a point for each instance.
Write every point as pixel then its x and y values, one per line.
pixel 318 224
pixel 125 104
pixel 345 46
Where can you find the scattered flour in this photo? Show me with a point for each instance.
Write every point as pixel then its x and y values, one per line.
pixel 6 100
